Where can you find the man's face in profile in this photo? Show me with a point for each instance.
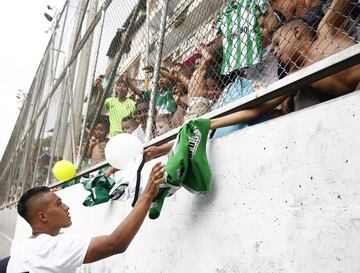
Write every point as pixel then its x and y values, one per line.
pixel 56 212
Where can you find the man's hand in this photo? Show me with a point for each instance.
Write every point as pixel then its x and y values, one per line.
pixel 107 173
pixel 110 171
pixel 204 51
pixel 287 105
pixel 93 141
pixel 118 241
pixel 215 21
pixel 151 152
pixel 174 71
pixel 156 177
pixel 155 151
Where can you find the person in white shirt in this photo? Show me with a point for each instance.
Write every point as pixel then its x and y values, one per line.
pixel 140 118
pixel 49 250
pixel 130 126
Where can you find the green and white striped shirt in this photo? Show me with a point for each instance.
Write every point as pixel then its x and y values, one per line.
pixel 241 37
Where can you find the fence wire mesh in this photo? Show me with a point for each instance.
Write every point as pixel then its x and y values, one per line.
pixel 146 67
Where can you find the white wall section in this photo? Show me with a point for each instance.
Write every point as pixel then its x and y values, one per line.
pixel 284 198
pixel 8 218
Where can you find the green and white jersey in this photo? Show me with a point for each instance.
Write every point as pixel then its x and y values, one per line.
pixel 241 37
pixel 187 164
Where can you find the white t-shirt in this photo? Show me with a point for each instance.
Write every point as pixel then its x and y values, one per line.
pixel 62 253
pixel 139 133
pixel 129 176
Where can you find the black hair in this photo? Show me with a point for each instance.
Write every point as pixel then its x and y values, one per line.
pixel 120 81
pixel 45 158
pixel 142 100
pixel 29 194
pixel 127 118
pixel 280 17
pixel 104 120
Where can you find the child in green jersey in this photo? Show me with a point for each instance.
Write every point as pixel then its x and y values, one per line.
pixel 164 101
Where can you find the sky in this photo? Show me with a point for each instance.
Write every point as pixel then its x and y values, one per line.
pixel 23 42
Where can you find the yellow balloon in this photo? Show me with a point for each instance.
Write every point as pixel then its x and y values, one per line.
pixel 64 170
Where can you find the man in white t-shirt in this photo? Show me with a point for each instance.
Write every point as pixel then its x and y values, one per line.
pixel 48 250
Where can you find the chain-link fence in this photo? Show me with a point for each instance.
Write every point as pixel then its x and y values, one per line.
pixel 146 67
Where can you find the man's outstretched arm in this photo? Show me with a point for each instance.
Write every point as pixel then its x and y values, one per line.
pixel 197 83
pixel 117 242
pixel 246 115
pixel 228 120
pixel 156 151
pixel 132 87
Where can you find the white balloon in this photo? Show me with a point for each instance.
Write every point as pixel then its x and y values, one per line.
pixel 121 148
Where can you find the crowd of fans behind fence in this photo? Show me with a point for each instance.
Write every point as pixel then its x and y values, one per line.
pixel 293 34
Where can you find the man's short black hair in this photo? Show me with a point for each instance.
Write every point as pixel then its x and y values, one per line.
pixel 29 194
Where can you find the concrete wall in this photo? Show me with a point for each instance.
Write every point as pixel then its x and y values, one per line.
pixel 8 219
pixel 285 198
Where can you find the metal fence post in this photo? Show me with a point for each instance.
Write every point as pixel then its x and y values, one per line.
pixel 155 80
pixel 113 72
